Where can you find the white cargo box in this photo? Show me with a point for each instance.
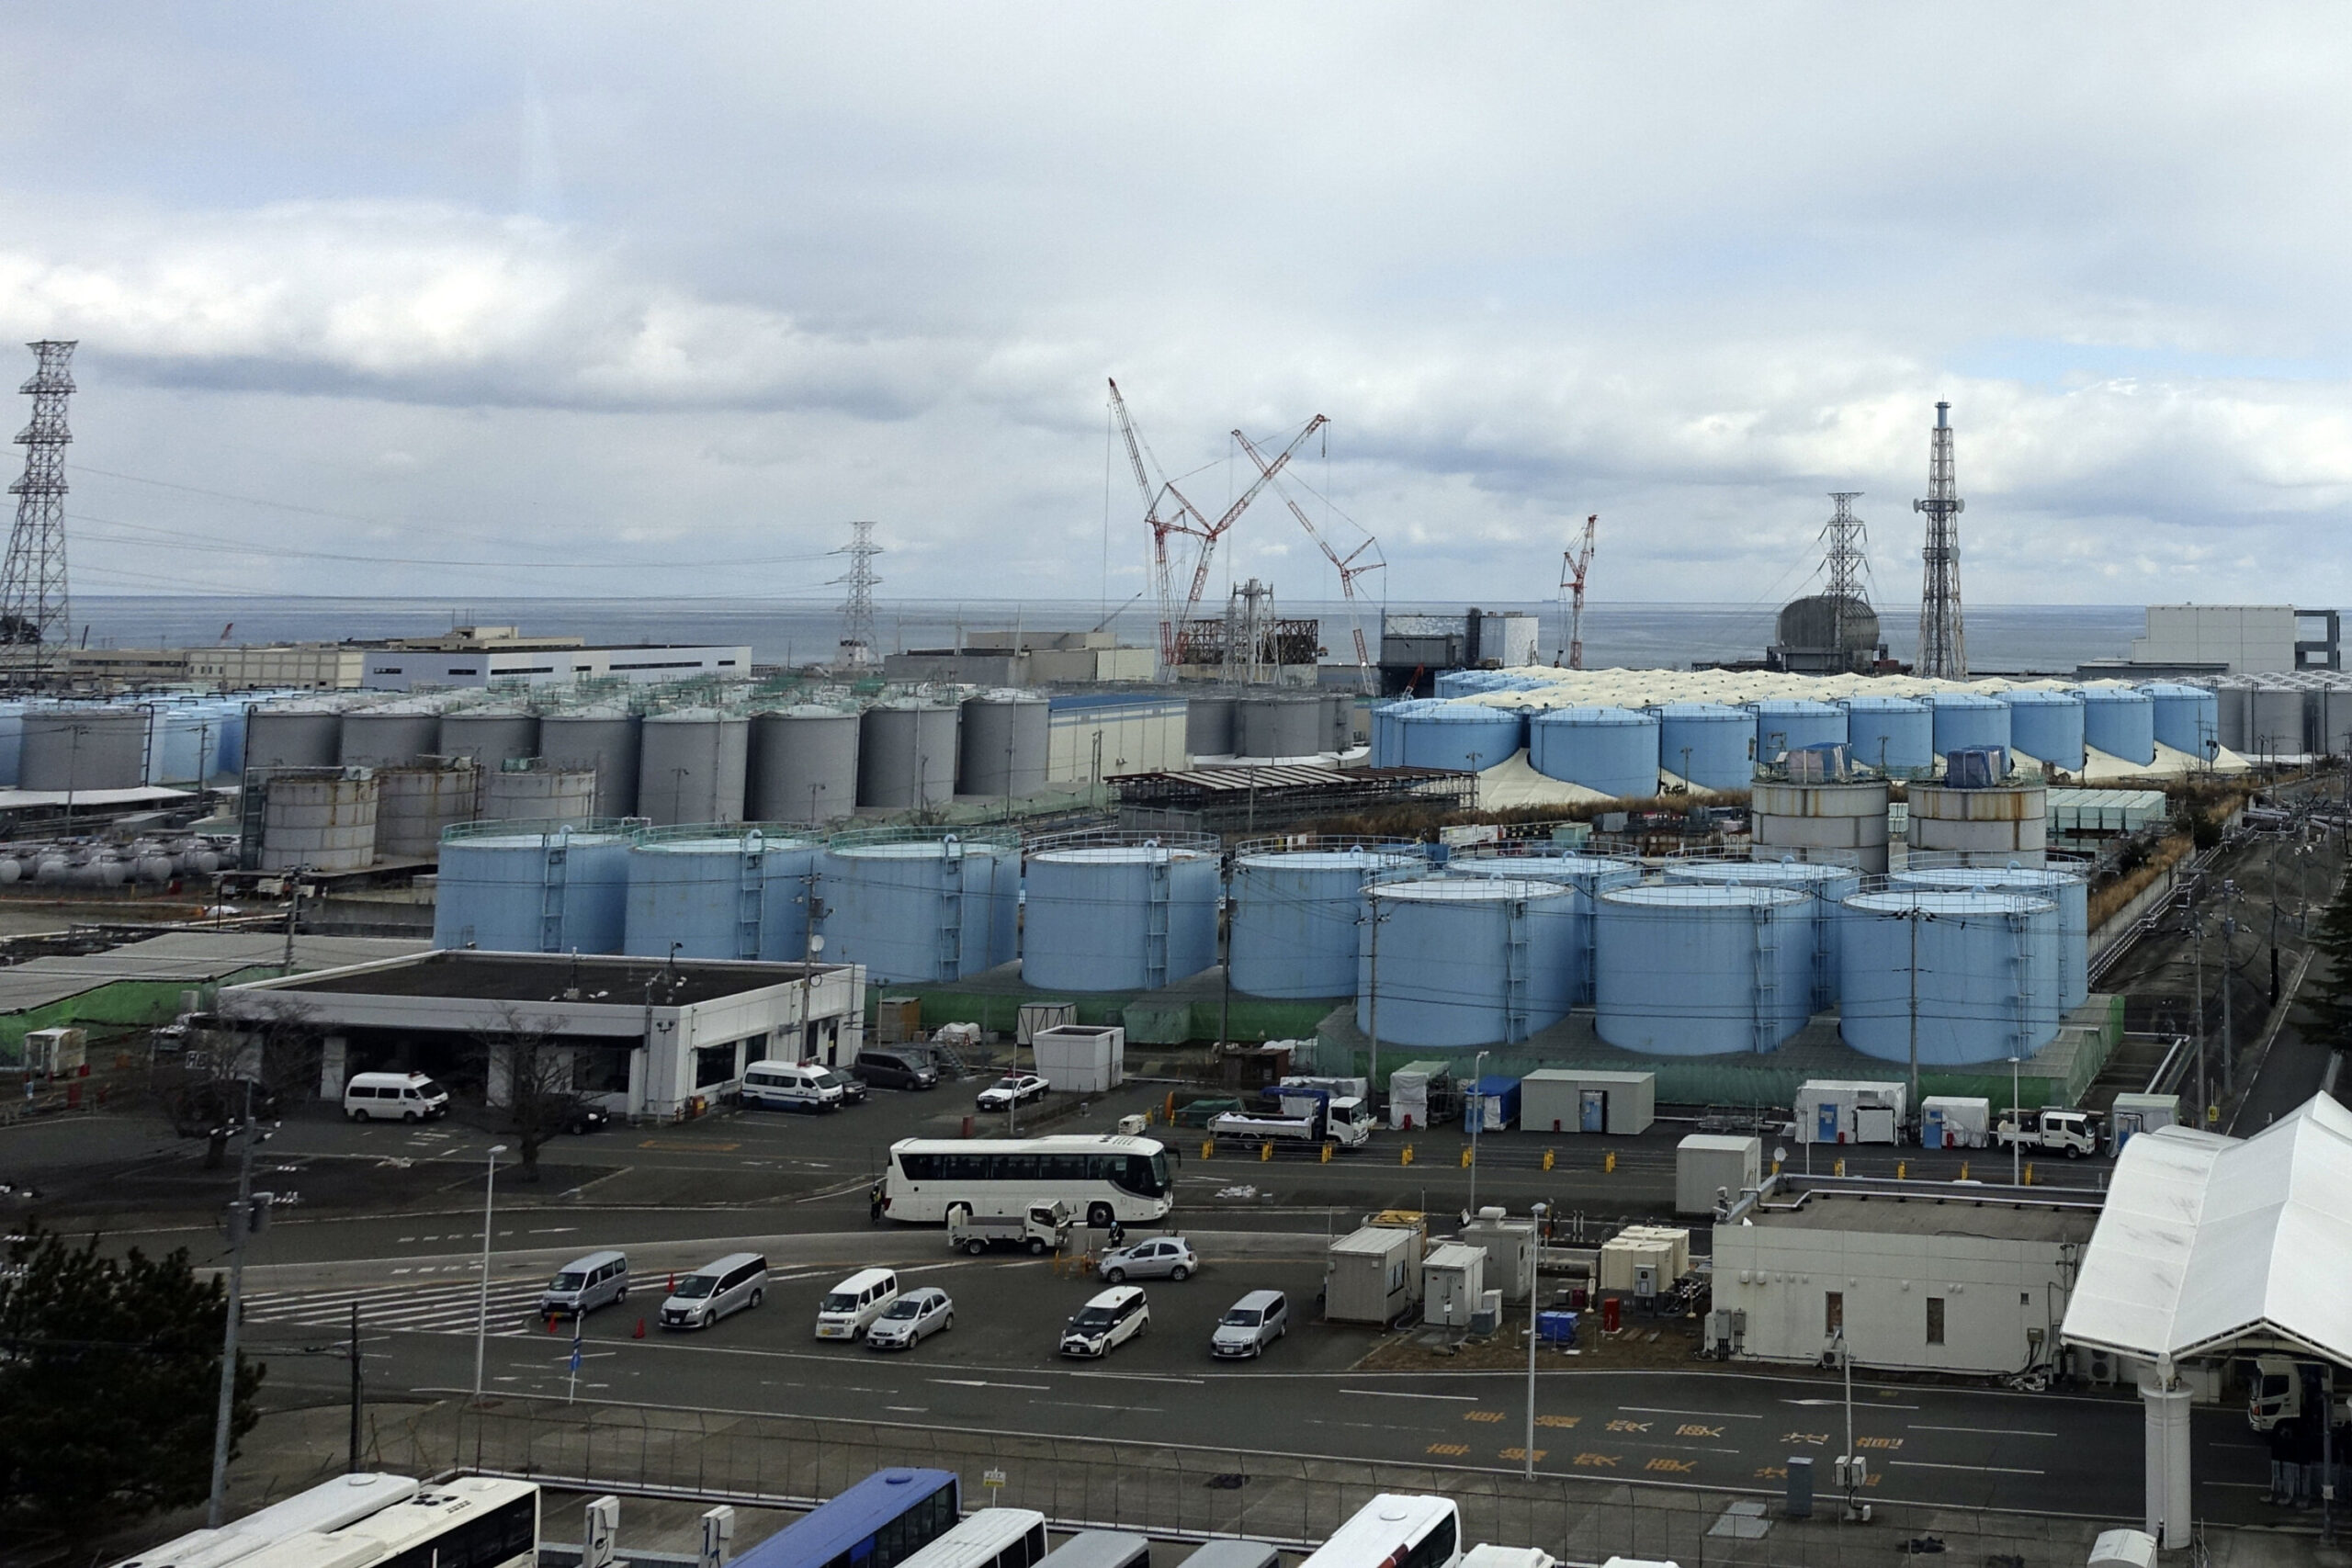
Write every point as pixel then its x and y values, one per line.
pixel 1955 1122
pixel 1704 1162
pixel 1849 1110
pixel 1082 1058
pixel 1564 1099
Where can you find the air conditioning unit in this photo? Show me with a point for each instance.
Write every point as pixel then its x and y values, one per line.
pixel 2102 1368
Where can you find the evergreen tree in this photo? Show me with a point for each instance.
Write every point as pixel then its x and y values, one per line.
pixel 2327 992
pixel 109 1382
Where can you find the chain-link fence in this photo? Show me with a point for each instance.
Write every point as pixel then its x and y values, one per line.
pixel 1192 1492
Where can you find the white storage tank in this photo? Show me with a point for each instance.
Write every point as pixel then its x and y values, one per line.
pixel 608 741
pixel 1465 961
pixel 1708 744
pixel 1827 886
pixel 1002 745
pixel 1982 826
pixel 532 792
pixel 691 765
pixel 73 746
pixel 918 906
pixel 1613 750
pixel 2047 726
pixel 2064 888
pixel 492 736
pixel 391 736
pixel 1895 735
pixel 1984 985
pixel 1692 969
pixel 518 887
pixel 718 894
pixel 414 806
pixel 322 818
pixel 1295 908
pixel 2121 722
pixel 1831 822
pixel 907 754
pixel 804 764
pixel 1115 912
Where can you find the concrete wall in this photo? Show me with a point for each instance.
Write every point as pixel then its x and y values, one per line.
pixel 1140 736
pixel 2251 639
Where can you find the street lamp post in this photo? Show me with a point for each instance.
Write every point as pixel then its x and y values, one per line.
pixel 2017 1144
pixel 481 1311
pixel 1477 1120
pixel 1535 1313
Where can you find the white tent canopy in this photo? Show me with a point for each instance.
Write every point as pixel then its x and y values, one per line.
pixel 2207 1240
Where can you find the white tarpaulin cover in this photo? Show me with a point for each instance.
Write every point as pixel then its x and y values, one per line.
pixel 2206 1239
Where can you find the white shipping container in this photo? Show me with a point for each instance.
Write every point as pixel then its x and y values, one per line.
pixel 1082 1058
pixel 1564 1099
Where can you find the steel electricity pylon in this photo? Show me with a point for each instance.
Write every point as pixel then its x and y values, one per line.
pixel 34 614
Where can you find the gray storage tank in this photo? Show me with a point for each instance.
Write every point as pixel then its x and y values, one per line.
pixel 389 737
pixel 907 754
pixel 1691 969
pixel 70 747
pixel 1116 912
pixel 918 906
pixel 300 735
pixel 1464 961
pixel 804 764
pixel 691 765
pixel 719 893
pixel 533 888
pixel 1294 906
pixel 608 742
pixel 414 806
pixel 535 792
pixel 1984 987
pixel 492 736
pixel 1003 744
pixel 1208 724
pixel 1279 725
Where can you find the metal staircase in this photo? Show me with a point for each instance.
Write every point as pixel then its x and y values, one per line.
pixel 1766 990
pixel 551 894
pixel 751 895
pixel 951 913
pixel 1155 931
pixel 1515 1019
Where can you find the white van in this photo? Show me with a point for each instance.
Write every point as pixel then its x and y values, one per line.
pixel 393 1097
pixel 788 1086
pixel 850 1306
pixel 737 1281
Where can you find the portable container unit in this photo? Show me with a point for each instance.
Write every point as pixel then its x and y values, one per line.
pixel 1707 744
pixel 1373 1275
pixel 1411 1090
pixel 2132 1115
pixel 1895 735
pixel 1468 737
pixel 1465 961
pixel 1116 917
pixel 1706 1163
pixel 491 737
pixel 2121 722
pixel 1280 724
pixel 1003 744
pixel 1573 1100
pixel 1490 1104
pixel 1849 1110
pixel 1790 724
pixel 1293 915
pixel 1081 1058
pixel 1638 1261
pixel 2067 889
pixel 802 765
pixel 505 887
pixel 1613 750
pixel 2009 824
pixel 391 736
pixel 1691 969
pixel 907 754
pixel 607 742
pixel 1836 823
pixel 2047 726
pixel 534 794
pixel 319 819
pixel 720 893
pixel 2186 718
pixel 691 765
pixel 1955 1122
pixel 1978 970
pixel 70 747
pixel 916 907
pixel 414 806
pixel 1828 887
pixel 1589 875
pixel 1208 724
pixel 1509 1245
pixel 1454 1281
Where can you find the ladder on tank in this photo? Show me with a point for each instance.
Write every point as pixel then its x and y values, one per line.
pixel 751 893
pixel 1823 914
pixel 1765 993
pixel 951 913
pixel 551 890
pixel 2020 965
pixel 1155 920
pixel 1515 973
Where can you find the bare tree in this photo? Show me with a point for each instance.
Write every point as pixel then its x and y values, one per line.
pixel 206 1096
pixel 528 1071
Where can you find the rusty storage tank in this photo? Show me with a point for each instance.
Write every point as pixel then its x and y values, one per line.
pixel 321 818
pixel 414 806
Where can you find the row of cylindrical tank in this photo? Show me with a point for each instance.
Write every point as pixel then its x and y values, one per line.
pixel 2284 715
pixel 1621 751
pixel 70 747
pixel 340 819
pixel 1266 725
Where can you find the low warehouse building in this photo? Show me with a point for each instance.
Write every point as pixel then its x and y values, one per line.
pixel 1947 1279
pixel 644 1037
pixel 1564 1099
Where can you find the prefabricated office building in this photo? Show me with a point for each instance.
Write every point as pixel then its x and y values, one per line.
pixel 1566 1099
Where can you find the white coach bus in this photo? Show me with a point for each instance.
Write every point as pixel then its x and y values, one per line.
pixel 1103 1178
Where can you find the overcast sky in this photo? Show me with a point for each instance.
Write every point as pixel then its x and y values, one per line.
pixel 626 299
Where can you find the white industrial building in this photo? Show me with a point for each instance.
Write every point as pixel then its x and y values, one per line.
pixel 555 661
pixel 2236 639
pixel 1949 1278
pixel 645 1037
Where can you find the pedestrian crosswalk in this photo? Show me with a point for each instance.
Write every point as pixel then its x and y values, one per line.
pixel 447 1306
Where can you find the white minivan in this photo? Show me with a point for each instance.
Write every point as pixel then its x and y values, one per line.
pixel 393 1097
pixel 790 1086
pixel 850 1308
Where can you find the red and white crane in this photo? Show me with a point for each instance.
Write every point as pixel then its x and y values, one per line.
pixel 1349 566
pixel 1573 565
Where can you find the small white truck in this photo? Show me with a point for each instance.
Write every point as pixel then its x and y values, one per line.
pixel 1344 1120
pixel 1043 1227
pixel 2276 1395
pixel 2071 1132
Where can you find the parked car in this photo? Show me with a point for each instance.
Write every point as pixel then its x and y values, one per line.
pixel 587 1117
pixel 1107 1321
pixel 851 1307
pixel 852 1088
pixel 1161 1258
pixel 393 1097
pixel 582 1286
pixel 1013 1089
pixel 1252 1323
pixel 717 1290
pixel 911 1319
pixel 895 1069
pixel 790 1086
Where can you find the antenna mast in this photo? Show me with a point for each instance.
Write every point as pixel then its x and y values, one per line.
pixel 857 608
pixel 33 609
pixel 1573 565
pixel 1943 646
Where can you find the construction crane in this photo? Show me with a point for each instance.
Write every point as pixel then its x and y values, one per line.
pixel 1349 566
pixel 1573 566
pixel 1168 513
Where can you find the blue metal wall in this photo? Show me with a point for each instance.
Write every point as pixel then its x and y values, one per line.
pixel 1613 750
pixel 2187 717
pixel 1294 919
pixel 557 892
pixel 1969 718
pixel 1466 962
pixel 1896 734
pixel 2121 722
pixel 1987 984
pixel 1589 875
pixel 1789 724
pixel 2047 726
pixel 1459 735
pixel 720 896
pixel 1827 886
pixel 1712 742
pixel 920 911
pixel 1688 970
pixel 1118 918
pixel 2068 891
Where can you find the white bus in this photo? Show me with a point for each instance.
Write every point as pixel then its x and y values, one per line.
pixel 468 1523
pixel 330 1506
pixel 989 1537
pixel 1394 1530
pixel 1103 1178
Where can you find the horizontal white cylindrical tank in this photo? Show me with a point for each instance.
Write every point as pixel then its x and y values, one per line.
pixel 1984 987
pixel 1687 969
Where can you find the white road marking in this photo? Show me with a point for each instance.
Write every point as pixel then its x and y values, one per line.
pixel 1391 1393
pixel 1987 1469
pixel 1988 1431
pixel 1710 1415
pixel 1075 1404
pixel 981 1382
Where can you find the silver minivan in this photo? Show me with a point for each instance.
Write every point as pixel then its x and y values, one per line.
pixel 1252 1323
pixel 582 1286
pixel 737 1281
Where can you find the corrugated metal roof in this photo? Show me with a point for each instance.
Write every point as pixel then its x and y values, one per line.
pixel 194 958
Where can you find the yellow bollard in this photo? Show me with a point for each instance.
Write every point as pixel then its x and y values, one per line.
pixel 1169 1106
pixel 1902 1171
pixel 1776 1167
pixel 1465 1157
pixel 1327 1154
pixel 1963 1170
pixel 1407 1157
pixel 2029 1176
pixel 1841 1167
pixel 1265 1151
pixel 1609 1163
pixel 1549 1159
pixel 1208 1148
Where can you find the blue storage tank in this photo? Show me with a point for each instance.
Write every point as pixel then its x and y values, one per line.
pixel 1987 983
pixel 1895 735
pixel 1295 914
pixel 1591 876
pixel 1969 720
pixel 1613 750
pixel 1465 960
pixel 1388 730
pixel 718 892
pixel 1710 745
pixel 2064 888
pixel 12 741
pixel 1828 887
pixel 1790 724
pixel 918 906
pixel 1119 916
pixel 2047 726
pixel 1459 735
pixel 512 887
pixel 1689 969
pixel 2187 718
pixel 2121 722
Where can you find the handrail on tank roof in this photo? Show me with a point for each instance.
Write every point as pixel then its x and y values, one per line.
pixel 975 837
pixel 771 835
pixel 1327 843
pixel 544 827
pixel 1122 837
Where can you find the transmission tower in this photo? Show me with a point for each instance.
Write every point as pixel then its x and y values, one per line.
pixel 1943 646
pixel 32 584
pixel 858 607
pixel 1845 533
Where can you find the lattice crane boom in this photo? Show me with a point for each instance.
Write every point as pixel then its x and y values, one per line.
pixel 1349 567
pixel 1573 564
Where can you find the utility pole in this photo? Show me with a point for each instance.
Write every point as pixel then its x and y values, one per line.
pixel 812 911
pixel 1912 1106
pixel 293 914
pixel 2229 960
pixel 2197 921
pixel 241 1225
pixel 1535 1312
pixel 1372 1018
pixel 352 1467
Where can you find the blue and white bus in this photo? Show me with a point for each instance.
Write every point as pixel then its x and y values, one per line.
pixel 878 1523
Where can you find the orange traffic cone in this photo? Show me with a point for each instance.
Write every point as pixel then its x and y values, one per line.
pixel 640 1329
pixel 550 1323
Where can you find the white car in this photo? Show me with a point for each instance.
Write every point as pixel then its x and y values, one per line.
pixel 911 1319
pixel 1013 1089
pixel 1162 1258
pixel 1107 1321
